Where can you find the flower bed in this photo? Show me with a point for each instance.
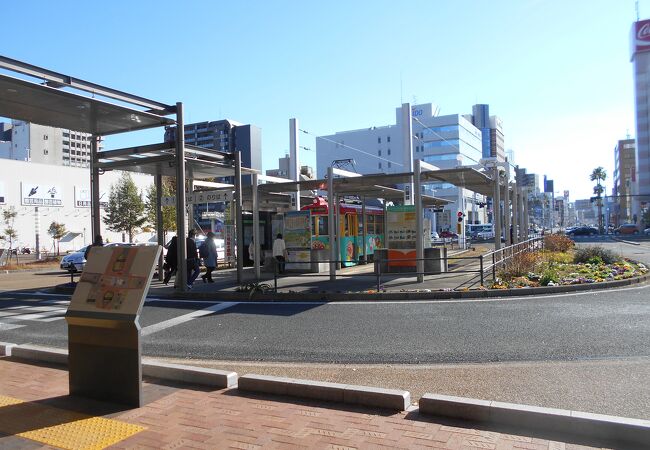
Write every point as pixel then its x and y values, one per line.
pixel 586 265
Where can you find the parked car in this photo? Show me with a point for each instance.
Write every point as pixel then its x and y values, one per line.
pixel 646 231
pixel 582 231
pixel 434 235
pixel 627 228
pixel 448 234
pixel 75 261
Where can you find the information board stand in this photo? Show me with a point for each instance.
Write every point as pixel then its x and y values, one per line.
pixel 104 347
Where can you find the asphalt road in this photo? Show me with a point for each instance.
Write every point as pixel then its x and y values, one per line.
pixel 551 344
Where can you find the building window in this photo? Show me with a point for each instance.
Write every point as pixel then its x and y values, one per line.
pixel 390 165
pixel 45 152
pixel 379 152
pixel 45 137
pixel 380 165
pixel 378 140
pixel 389 151
pixel 387 138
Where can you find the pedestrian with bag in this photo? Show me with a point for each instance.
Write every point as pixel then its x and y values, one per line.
pixel 280 252
pixel 208 251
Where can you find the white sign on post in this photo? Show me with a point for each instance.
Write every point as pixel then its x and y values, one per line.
pixel 201 197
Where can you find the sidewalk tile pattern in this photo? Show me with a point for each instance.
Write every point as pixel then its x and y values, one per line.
pixel 180 416
pixel 60 428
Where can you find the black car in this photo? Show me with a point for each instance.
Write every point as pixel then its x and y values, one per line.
pixel 582 231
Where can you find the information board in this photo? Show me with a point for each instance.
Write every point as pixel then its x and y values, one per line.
pixel 297 238
pixel 401 235
pixel 115 279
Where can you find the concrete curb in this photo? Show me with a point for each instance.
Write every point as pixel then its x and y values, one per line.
pixel 40 354
pixel 330 392
pixel 5 348
pixel 155 369
pixel 188 374
pixel 608 428
pixel 396 296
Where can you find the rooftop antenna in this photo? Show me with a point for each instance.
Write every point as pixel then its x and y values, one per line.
pixel 636 7
pixel 627 132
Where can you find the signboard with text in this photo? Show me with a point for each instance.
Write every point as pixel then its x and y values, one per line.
pixel 297 237
pixel 201 197
pixel 401 235
pixel 83 198
pixel 115 279
pixel 34 194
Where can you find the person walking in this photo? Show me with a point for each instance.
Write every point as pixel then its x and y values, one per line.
pixel 193 266
pixel 280 252
pixel 98 242
pixel 208 252
pixel 251 251
pixel 171 260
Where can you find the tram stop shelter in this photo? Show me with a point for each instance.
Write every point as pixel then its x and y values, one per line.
pixel 54 100
pixel 341 183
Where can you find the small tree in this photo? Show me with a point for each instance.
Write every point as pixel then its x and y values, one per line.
pixel 57 231
pixel 599 174
pixel 168 212
pixel 10 233
pixel 125 210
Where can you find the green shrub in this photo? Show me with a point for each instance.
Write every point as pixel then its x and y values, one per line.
pixel 587 255
pixel 549 275
pixel 558 243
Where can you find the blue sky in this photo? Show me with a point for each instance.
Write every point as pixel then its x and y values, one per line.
pixel 556 72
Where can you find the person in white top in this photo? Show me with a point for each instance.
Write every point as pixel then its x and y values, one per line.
pixel 280 252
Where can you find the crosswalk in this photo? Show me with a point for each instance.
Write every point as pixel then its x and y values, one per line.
pixel 12 317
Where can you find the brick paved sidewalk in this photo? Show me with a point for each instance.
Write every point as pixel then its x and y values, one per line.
pixel 35 410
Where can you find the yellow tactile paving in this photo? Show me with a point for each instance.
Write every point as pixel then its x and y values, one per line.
pixel 61 428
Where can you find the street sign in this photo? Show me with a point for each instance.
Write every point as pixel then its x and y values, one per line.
pixel 213 215
pixel 215 196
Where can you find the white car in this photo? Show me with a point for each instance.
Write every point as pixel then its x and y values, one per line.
pixel 646 231
pixel 75 261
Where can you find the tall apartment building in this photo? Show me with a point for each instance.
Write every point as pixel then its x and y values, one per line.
pixel 640 57
pixel 624 179
pixel 226 136
pixel 492 141
pixel 445 141
pixel 24 141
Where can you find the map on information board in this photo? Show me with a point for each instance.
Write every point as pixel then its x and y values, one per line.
pixel 115 279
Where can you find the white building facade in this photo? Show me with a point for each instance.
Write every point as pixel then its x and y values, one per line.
pixel 26 141
pixel 43 193
pixel 445 141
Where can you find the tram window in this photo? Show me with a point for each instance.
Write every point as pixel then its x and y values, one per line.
pixel 379 225
pixel 322 225
pixel 370 228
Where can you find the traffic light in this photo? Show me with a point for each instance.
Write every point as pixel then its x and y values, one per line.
pixel 460 215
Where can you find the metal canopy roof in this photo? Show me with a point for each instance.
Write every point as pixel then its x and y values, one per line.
pixel 465 177
pixel 159 159
pixel 31 102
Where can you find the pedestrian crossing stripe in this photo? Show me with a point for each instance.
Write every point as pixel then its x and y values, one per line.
pixel 59 427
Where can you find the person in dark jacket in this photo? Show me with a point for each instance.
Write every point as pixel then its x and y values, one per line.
pixel 171 259
pixel 193 262
pixel 98 242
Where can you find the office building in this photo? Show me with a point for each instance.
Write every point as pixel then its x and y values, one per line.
pixel 640 57
pixel 445 141
pixel 624 179
pixel 24 141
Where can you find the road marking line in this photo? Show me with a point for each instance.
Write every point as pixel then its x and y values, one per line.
pixel 186 318
pixel 9 326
